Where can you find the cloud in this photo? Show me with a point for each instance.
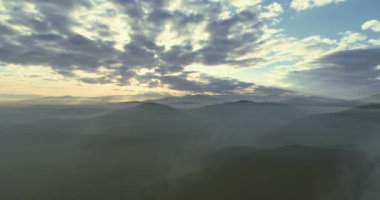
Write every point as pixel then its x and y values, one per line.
pixel 30 99
pixel 348 73
pixel 301 5
pixel 201 83
pixel 159 37
pixel 179 46
pixel 373 25
pixel 264 93
pixel 275 9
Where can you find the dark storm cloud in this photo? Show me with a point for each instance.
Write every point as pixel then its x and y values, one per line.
pixel 66 4
pixel 221 48
pixel 51 41
pixel 208 84
pixel 349 72
pixel 356 60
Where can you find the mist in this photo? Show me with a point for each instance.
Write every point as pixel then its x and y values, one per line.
pixel 155 149
pixel 189 100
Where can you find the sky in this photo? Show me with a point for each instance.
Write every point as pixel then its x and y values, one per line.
pixel 149 48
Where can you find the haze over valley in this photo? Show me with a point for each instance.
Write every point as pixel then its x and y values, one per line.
pixel 151 150
pixel 189 100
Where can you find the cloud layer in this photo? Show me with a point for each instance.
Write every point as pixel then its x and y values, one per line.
pixel 128 42
pixel 300 5
pixel 348 73
pixel 373 25
pixel 169 46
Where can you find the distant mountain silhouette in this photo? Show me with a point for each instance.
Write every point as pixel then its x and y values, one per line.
pixel 203 99
pixel 182 102
pixel 374 106
pixel 192 101
pixel 372 99
pixel 349 128
pixel 241 121
pixel 250 110
pixel 148 121
pixel 146 111
pixel 320 101
pixel 244 102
